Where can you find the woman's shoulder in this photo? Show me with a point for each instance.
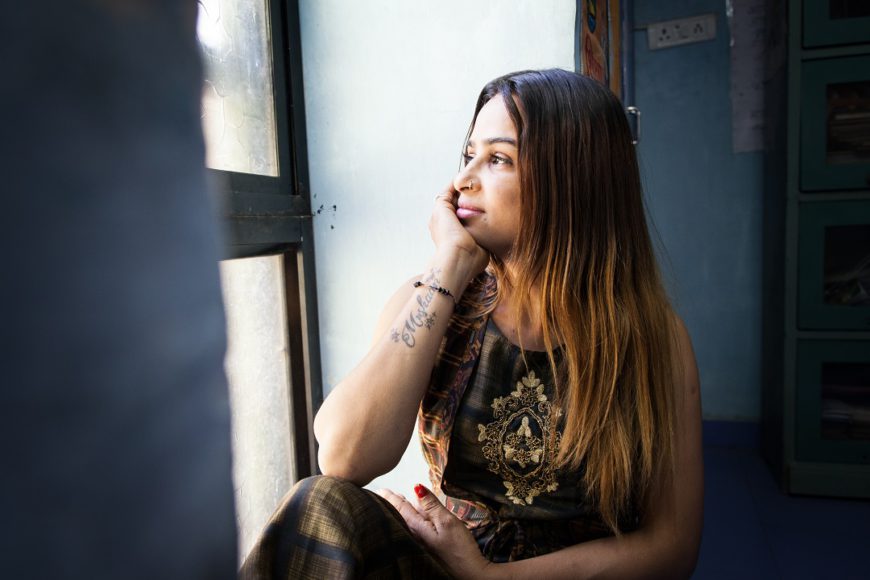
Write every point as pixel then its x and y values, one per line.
pixel 684 355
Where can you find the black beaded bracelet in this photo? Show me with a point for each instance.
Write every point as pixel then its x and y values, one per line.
pixel 439 289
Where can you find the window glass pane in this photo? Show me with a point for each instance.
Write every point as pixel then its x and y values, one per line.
pixel 846 401
pixel 238 103
pixel 848 123
pixel 847 265
pixel 256 366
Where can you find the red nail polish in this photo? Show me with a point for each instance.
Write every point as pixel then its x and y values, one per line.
pixel 420 490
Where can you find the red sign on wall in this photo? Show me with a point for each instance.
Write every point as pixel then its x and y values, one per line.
pixel 599 30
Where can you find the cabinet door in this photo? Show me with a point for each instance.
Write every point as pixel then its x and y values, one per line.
pixel 835 124
pixel 836 22
pixel 832 419
pixel 834 265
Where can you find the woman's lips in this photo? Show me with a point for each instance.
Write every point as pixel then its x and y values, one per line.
pixel 465 212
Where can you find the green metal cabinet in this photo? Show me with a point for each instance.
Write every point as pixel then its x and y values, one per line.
pixel 832 23
pixel 822 166
pixel 816 331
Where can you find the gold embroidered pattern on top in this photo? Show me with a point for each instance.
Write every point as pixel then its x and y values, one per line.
pixel 521 443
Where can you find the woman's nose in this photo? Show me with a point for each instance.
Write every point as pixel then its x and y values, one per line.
pixel 464 180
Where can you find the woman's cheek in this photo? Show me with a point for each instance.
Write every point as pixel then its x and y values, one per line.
pixel 499 243
pixel 479 234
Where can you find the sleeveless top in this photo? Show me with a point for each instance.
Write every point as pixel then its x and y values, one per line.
pixel 494 402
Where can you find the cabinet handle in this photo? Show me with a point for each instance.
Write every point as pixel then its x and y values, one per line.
pixel 634 112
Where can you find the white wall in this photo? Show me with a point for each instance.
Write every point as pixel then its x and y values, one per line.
pixel 390 86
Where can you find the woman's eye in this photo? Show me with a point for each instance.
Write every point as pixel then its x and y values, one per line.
pixel 499 160
pixel 467 157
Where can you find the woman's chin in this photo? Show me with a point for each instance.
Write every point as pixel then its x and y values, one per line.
pixel 485 243
pixel 475 234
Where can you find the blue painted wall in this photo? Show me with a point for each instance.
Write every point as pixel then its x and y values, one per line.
pixel 705 202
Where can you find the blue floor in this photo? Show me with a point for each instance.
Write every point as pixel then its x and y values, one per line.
pixel 752 530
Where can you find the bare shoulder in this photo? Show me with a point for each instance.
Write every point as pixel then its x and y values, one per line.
pixel 394 305
pixel 684 357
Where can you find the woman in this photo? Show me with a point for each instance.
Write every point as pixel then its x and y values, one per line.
pixel 561 421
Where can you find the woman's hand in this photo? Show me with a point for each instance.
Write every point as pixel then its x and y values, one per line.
pixel 452 239
pixel 442 533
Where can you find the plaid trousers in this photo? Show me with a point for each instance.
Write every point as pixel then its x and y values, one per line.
pixel 328 528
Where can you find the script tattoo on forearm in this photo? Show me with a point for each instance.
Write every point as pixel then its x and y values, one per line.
pixel 420 317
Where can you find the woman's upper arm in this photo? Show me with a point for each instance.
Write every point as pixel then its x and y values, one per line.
pixel 365 422
pixel 676 509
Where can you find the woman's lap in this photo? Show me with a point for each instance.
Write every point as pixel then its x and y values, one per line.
pixel 330 528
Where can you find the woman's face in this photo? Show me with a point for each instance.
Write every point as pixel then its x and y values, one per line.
pixel 489 182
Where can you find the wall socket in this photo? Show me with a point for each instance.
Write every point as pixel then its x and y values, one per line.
pixel 682 31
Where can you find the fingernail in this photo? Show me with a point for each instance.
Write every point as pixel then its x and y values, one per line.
pixel 420 490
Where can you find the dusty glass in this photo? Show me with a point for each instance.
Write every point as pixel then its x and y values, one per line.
pixel 238 105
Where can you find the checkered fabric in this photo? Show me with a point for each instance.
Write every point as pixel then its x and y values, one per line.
pixel 329 528
pixel 457 359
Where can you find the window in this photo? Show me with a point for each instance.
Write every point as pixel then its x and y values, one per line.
pixel 254 125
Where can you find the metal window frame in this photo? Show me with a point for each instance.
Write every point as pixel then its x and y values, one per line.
pixel 265 215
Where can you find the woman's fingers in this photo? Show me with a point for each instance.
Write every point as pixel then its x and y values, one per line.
pixel 444 226
pixel 431 508
pixel 445 202
pixel 441 532
pixel 398 501
pixel 447 197
pixel 451 237
pixel 415 520
pixel 449 193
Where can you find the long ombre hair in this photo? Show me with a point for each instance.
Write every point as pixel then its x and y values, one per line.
pixel 583 240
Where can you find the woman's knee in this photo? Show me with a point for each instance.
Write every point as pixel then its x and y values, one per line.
pixel 326 499
pixel 316 510
pixel 326 495
pixel 321 487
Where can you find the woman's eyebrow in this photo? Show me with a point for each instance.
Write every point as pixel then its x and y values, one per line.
pixel 494 140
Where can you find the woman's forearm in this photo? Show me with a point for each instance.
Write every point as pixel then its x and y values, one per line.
pixel 364 426
pixel 640 554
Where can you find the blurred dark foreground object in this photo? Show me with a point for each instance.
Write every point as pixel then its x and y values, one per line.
pixel 114 418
